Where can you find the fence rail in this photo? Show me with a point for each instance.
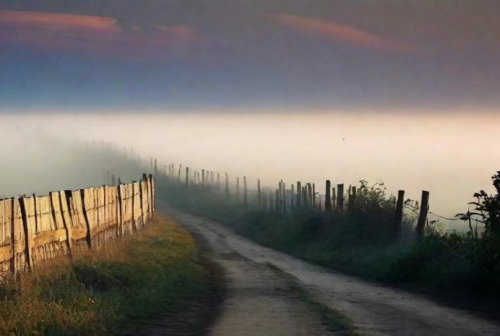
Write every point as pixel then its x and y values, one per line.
pixel 38 228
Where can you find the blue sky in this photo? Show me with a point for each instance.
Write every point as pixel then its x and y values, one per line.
pixel 197 55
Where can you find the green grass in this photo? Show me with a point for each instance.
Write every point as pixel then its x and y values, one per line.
pixel 112 291
pixel 357 244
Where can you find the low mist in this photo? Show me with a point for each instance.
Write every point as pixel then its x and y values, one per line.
pixel 449 154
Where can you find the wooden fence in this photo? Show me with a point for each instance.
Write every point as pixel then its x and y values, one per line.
pixel 37 228
pixel 336 199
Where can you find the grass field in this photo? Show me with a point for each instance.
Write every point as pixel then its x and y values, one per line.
pixel 156 275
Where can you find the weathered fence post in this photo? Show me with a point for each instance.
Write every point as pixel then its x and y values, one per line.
pixel 424 207
pixel 280 194
pixel 203 179
pixel 283 196
pixel 334 199
pixel 305 201
pixel 314 195
pixel 179 176
pixel 340 198
pixel 227 185
pixel 292 195
pixel 309 195
pixel 299 194
pixel 152 194
pixel 399 214
pixel 237 189
pixel 277 201
pixel 259 195
pixel 86 218
pixel 187 176
pixel 328 202
pixel 245 191
pixel 352 198
pixel 27 232
pixel 120 210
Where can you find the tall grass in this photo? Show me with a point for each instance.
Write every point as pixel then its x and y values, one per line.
pixel 109 291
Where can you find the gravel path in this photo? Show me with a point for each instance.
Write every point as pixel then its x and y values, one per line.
pixel 258 303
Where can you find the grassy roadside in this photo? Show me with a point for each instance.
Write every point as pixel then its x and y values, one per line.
pixel 116 290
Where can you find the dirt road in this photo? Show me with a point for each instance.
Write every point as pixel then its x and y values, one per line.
pixel 259 299
pixel 375 310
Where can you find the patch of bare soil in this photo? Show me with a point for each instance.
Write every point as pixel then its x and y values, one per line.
pixel 259 302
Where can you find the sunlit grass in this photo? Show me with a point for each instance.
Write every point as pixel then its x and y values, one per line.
pixel 104 292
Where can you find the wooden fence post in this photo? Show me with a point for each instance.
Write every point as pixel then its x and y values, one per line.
pixel 314 195
pixel 305 200
pixel 203 178
pixel 27 233
pixel 14 267
pixel 352 198
pixel 259 195
pixel 120 210
pixel 283 196
pixel 292 195
pixel 399 214
pixel 86 218
pixel 277 201
pixel 227 184
pixel 67 226
pixel 309 194
pixel 187 176
pixel 424 206
pixel 328 201
pixel 334 199
pixel 299 194
pixel 340 198
pixel 280 195
pixel 179 176
pixel 152 196
pixel 245 191
pixel 237 189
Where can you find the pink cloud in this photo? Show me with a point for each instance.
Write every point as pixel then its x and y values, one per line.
pixel 96 36
pixel 340 32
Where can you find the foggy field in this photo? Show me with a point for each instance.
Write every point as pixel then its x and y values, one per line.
pixel 446 154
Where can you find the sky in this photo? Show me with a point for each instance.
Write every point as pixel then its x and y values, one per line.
pixel 266 89
pixel 234 54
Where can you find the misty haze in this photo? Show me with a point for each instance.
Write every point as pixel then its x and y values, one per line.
pixel 233 168
pixel 446 154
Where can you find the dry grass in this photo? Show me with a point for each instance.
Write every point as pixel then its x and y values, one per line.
pixel 103 292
